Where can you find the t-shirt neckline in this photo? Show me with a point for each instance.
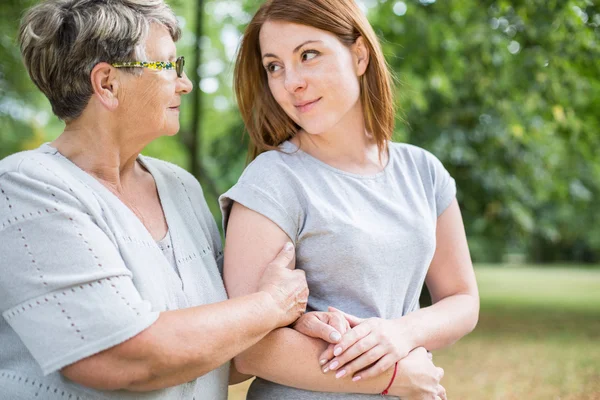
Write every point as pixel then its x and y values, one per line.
pixel 290 147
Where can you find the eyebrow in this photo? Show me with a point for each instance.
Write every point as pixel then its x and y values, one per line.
pixel 295 50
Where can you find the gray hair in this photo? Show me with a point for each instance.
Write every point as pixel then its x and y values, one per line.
pixel 62 40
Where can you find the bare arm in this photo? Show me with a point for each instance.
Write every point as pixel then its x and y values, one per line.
pixel 185 344
pixel 284 356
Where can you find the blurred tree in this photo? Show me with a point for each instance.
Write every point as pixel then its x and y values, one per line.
pixel 505 93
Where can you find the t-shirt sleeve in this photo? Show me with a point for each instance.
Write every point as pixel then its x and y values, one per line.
pixel 66 291
pixel 444 186
pixel 269 188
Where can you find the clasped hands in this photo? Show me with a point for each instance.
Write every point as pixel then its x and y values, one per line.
pixel 364 348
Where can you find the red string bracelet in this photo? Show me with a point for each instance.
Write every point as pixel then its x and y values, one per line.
pixel 391 380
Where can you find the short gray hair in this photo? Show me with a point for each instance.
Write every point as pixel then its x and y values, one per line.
pixel 62 40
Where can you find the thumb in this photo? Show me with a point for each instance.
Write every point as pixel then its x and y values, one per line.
pixel 285 257
pixel 316 328
pixel 352 320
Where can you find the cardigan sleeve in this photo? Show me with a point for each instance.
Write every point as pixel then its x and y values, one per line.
pixel 66 291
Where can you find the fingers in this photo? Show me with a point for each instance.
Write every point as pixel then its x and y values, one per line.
pixel 384 363
pixel 440 371
pixel 312 326
pixel 442 393
pixel 326 355
pixel 350 338
pixel 339 323
pixel 352 320
pixel 285 257
pixel 361 347
pixel 365 360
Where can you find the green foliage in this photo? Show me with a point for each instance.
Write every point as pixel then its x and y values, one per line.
pixel 505 93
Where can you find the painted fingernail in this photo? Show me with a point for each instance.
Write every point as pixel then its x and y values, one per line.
pixel 337 351
pixel 334 365
pixel 356 378
pixel 323 361
pixel 340 373
pixel 288 246
pixel 335 336
pixel 325 370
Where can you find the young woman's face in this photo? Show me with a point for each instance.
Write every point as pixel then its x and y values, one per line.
pixel 312 75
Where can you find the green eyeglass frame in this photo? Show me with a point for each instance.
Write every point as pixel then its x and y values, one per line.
pixel 155 65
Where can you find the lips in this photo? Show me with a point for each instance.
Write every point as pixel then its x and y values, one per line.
pixel 306 105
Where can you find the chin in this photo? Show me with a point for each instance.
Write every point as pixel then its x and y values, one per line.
pixel 315 129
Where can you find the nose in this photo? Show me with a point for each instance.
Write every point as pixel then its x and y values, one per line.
pixel 294 81
pixel 184 85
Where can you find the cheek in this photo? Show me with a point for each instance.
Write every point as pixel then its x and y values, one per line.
pixel 278 92
pixel 151 97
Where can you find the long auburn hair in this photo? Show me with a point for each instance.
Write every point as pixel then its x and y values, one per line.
pixel 267 124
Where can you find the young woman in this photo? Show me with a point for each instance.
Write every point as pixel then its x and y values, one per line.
pixel 372 220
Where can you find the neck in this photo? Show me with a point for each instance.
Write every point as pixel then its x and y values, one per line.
pixel 100 151
pixel 347 146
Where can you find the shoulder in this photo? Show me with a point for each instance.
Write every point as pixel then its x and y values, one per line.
pixel 174 175
pixel 274 168
pixel 34 168
pixel 410 151
pixel 416 157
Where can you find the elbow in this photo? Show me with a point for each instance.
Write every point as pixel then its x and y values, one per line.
pixel 245 363
pixel 474 314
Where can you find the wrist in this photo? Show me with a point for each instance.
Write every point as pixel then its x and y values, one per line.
pixel 386 391
pixel 408 332
pixel 269 307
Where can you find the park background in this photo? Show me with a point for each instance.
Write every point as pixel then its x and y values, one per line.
pixel 506 94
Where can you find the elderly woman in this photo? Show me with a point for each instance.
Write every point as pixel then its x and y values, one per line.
pixel 110 260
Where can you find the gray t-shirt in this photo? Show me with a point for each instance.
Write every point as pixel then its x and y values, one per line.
pixel 80 273
pixel 365 242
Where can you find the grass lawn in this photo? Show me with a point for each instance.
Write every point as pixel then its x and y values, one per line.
pixel 538 337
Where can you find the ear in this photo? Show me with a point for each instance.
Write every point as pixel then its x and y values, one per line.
pixel 105 85
pixel 361 55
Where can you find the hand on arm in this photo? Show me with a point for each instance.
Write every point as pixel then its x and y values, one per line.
pixel 185 344
pixel 286 356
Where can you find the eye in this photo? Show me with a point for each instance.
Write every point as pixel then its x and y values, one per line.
pixel 272 67
pixel 309 55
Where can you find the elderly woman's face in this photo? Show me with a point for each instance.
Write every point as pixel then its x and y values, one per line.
pixel 150 102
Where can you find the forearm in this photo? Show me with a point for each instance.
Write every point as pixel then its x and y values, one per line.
pixel 180 346
pixel 290 358
pixel 442 323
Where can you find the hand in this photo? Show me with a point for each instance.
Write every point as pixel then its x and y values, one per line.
pixel 286 286
pixel 418 378
pixel 329 326
pixel 369 349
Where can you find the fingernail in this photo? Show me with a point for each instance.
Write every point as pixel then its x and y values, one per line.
pixel 325 370
pixel 337 351
pixel 323 361
pixel 356 379
pixel 335 336
pixel 340 373
pixel 288 246
pixel 334 365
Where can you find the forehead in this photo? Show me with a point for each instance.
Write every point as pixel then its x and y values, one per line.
pixel 279 36
pixel 159 43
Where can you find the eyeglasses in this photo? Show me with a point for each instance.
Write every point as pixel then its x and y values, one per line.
pixel 155 65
